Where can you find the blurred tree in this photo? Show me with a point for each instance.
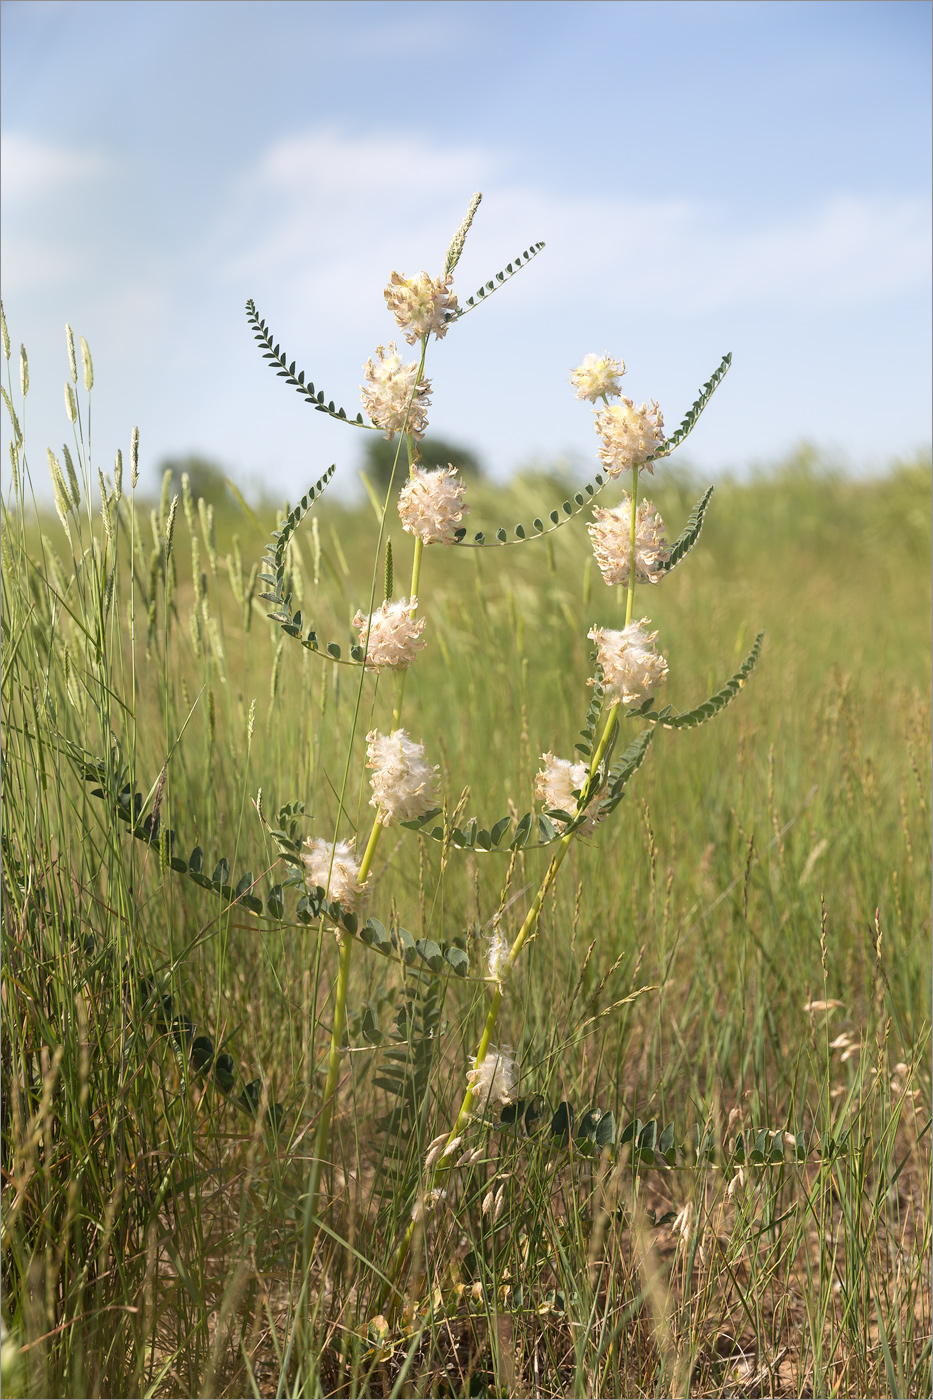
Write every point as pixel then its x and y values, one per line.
pixel 207 478
pixel 379 455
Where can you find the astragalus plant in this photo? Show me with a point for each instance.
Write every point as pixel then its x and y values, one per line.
pixel 577 796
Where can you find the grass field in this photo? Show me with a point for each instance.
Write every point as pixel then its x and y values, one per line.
pixel 742 952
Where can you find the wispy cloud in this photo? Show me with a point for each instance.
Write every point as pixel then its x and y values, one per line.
pixel 331 209
pixel 33 171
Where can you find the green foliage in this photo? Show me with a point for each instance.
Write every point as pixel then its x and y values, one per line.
pixel 279 361
pixel 379 458
pixel 494 283
pixel 206 478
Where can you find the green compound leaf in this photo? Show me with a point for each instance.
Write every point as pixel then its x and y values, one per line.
pixel 485 291
pixel 690 419
pixel 689 535
pixel 525 533
pixel 689 719
pixel 275 575
pixel 286 371
pixel 622 771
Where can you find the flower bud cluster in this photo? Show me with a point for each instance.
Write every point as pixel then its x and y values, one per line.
pixel 335 869
pixel 493 1079
pixel 393 396
pixel 597 377
pixel 629 435
pixel 420 304
pixel 630 663
pixel 611 533
pixel 555 786
pixel 431 504
pixel 394 635
pixel 404 785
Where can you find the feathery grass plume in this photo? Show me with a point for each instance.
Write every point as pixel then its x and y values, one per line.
pixel 394 634
pixel 395 399
pixel 631 665
pixel 4 334
pixel 493 1080
pixel 23 371
pixel 629 435
pixel 63 502
pixel 118 474
pixel 597 377
pixel 611 533
pixel 335 869
pixel 170 527
pixel 459 238
pixel 87 365
pixel 134 458
pixel 72 358
pixel 420 304
pixel 72 476
pixel 388 577
pixel 431 504
pixel 71 407
pixel 556 784
pixel 105 506
pixel 404 785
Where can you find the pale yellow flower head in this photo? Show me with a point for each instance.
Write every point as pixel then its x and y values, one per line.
pixel 631 665
pixel 555 786
pixel 394 634
pixel 341 879
pixel 390 395
pixel 629 435
pixel 494 1079
pixel 597 377
pixel 611 533
pixel 404 785
pixel 420 304
pixel 431 504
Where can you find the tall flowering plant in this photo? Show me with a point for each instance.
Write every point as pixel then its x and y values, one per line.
pixel 576 795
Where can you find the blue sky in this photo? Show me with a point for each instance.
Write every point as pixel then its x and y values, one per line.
pixel 752 177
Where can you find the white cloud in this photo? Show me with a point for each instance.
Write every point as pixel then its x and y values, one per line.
pixel 33 171
pixel 334 213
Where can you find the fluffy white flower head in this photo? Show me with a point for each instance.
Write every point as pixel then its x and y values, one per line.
pixel 389 390
pixel 555 786
pixel 629 435
pixel 419 304
pixel 493 1080
pixel 343 882
pixel 597 377
pixel 394 634
pixel 431 504
pixel 403 784
pixel 631 665
pixel 611 533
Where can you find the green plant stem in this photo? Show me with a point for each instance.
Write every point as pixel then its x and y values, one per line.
pixel 526 931
pixel 630 600
pixel 345 945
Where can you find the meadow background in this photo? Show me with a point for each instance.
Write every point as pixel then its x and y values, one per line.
pixel 743 950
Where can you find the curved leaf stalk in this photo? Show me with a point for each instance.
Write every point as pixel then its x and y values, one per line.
pixel 526 931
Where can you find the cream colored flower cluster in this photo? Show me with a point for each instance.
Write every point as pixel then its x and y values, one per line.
pixel 597 377
pixel 629 435
pixel 631 665
pixel 391 397
pixel 611 533
pixel 394 634
pixel 493 1079
pixel 339 879
pixel 404 785
pixel 420 304
pixel 431 504
pixel 555 786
